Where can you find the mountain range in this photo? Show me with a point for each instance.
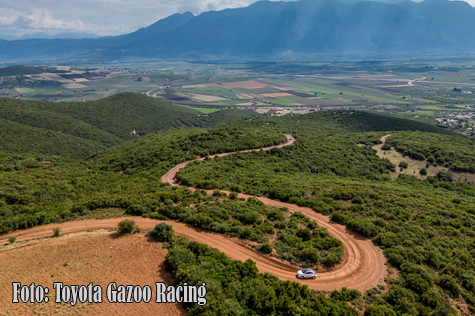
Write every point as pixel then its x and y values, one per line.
pixel 271 28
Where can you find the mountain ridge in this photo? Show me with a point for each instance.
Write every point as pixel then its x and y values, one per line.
pixel 272 28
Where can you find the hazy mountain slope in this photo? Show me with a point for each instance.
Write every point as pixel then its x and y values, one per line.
pixel 267 27
pixel 319 26
pixel 164 25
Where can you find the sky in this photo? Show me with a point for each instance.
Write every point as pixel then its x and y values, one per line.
pixel 101 17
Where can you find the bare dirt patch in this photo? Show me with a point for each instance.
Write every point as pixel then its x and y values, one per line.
pixel 276 95
pixel 24 90
pixel 415 166
pixel 98 258
pixel 207 98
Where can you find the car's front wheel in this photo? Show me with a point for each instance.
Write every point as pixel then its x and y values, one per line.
pixel 301 276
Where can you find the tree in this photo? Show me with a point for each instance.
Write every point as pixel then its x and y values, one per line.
pixel 162 232
pixel 423 172
pixel 445 176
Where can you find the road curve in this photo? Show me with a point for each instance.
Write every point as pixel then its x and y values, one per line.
pixel 363 264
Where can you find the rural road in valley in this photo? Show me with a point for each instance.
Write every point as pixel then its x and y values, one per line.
pixel 362 267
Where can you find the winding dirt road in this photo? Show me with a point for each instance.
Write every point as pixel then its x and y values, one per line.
pixel 363 264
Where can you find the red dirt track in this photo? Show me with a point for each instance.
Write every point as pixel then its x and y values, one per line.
pixel 363 264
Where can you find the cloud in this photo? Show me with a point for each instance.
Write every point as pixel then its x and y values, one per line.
pixel 199 6
pixel 43 20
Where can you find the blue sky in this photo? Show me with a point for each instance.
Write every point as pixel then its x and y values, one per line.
pixel 102 17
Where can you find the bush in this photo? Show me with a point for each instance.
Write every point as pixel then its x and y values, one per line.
pixel 445 176
pixel 137 210
pixel 423 172
pixel 403 165
pixel 127 226
pixel 266 248
pixel 157 216
pixel 12 240
pixel 56 231
pixel 162 232
pixel 450 286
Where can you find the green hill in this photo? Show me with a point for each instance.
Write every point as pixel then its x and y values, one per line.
pixel 23 138
pixel 23 70
pixel 105 122
pixel 339 122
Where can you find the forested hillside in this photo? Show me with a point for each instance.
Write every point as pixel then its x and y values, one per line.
pixel 16 137
pixel 94 126
pixel 425 227
pixel 341 122
pixel 110 180
pixel 454 152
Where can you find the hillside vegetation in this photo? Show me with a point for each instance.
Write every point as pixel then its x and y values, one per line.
pixel 327 123
pixel 24 70
pixel 99 124
pixel 425 227
pixel 237 288
pixel 38 189
pixel 22 138
pixel 454 152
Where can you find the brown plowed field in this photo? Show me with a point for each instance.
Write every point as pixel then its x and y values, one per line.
pixel 363 264
pixel 99 258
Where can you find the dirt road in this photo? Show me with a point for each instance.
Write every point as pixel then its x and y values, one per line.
pixel 363 264
pixel 383 139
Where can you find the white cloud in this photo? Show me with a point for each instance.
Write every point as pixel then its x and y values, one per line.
pixel 43 20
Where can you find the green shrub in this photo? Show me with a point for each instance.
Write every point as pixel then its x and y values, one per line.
pixel 56 231
pixel 266 248
pixel 158 216
pixel 423 172
pixel 127 226
pixel 12 240
pixel 137 210
pixel 162 232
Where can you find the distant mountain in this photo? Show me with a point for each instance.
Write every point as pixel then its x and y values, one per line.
pixel 8 37
pixel 162 26
pixel 269 28
pixel 70 35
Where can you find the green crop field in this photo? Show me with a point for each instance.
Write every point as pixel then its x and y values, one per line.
pixel 207 111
